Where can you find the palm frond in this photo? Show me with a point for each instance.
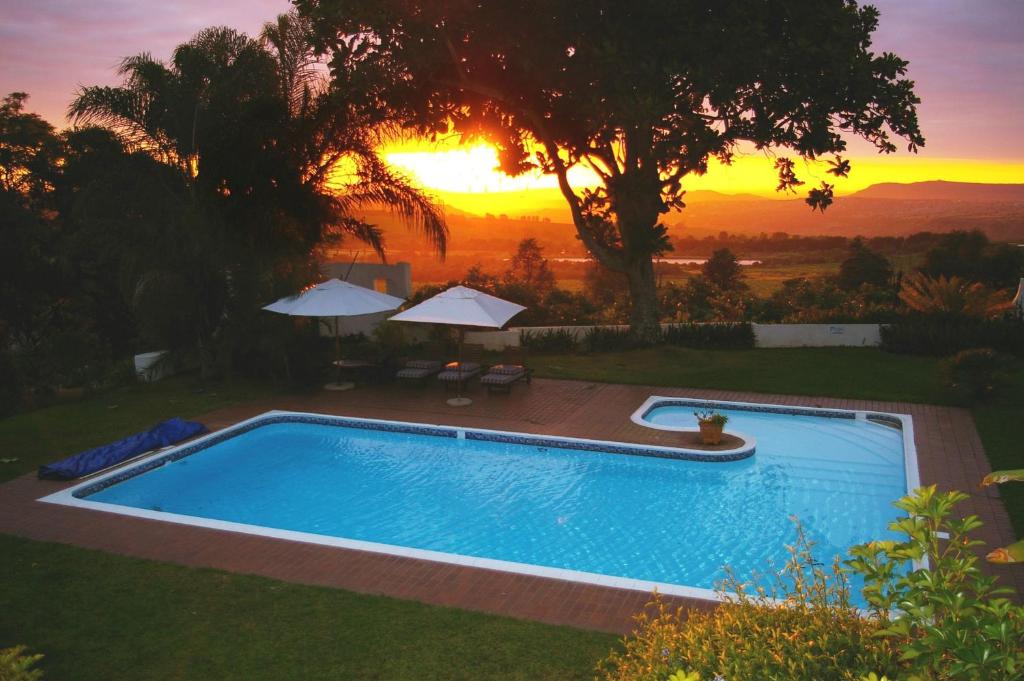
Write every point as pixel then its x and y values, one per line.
pixel 378 185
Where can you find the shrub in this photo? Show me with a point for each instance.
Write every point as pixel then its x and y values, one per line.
pixel 949 620
pixel 732 336
pixel 940 335
pixel 611 339
pixel 975 375
pixel 15 665
pixel 548 340
pixel 812 632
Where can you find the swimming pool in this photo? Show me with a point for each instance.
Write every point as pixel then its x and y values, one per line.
pixel 558 507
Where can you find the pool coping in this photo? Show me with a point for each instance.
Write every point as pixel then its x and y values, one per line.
pixel 73 495
pixel 905 422
pixel 949 448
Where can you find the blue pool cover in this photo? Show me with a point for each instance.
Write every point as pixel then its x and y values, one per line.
pixel 162 434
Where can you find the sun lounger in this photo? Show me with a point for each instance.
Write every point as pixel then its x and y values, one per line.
pixel 501 377
pixel 455 373
pixel 418 370
pixel 458 373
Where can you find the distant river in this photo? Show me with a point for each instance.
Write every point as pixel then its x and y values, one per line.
pixel 671 261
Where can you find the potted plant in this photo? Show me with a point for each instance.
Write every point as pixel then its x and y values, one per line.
pixel 711 424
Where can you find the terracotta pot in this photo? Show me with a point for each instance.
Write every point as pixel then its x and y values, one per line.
pixel 710 433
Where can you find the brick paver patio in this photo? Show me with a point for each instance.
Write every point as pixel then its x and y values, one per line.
pixel 949 452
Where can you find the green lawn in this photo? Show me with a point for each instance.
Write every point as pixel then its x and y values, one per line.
pixel 103 617
pixel 839 372
pixel 99 616
pixel 44 435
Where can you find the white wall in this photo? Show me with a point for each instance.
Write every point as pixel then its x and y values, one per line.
pixel 399 283
pixel 816 335
pixel 765 335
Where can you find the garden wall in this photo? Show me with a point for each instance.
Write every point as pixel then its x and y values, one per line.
pixel 766 335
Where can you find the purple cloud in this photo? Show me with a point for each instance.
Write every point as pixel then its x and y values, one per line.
pixel 966 57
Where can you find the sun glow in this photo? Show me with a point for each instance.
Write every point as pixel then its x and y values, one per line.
pixel 467 177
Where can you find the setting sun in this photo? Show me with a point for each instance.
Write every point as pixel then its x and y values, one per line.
pixel 467 177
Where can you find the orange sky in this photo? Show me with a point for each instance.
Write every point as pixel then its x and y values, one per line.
pixel 965 58
pixel 466 177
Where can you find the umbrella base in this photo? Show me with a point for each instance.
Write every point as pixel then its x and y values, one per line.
pixel 347 385
pixel 459 402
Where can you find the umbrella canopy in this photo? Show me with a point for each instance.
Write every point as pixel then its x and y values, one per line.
pixel 461 306
pixel 335 298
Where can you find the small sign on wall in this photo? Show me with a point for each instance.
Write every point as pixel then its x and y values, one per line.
pixel 836 330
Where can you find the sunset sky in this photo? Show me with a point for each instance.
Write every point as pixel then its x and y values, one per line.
pixel 967 57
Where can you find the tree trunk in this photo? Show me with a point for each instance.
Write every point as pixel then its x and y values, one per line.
pixel 643 293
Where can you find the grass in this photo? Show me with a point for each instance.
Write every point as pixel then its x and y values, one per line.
pixel 97 616
pixel 101 616
pixel 861 373
pixel 44 435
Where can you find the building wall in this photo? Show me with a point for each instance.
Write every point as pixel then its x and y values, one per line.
pixel 397 280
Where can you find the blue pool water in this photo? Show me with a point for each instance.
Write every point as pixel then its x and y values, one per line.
pixel 663 520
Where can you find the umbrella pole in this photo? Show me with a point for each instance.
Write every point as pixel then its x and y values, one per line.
pixel 338 385
pixel 459 400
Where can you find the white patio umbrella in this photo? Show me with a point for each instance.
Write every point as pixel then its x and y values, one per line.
pixel 461 307
pixel 335 298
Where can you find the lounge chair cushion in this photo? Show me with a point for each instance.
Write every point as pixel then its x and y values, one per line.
pixel 507 369
pixel 468 370
pixel 502 378
pixel 423 364
pixel 414 373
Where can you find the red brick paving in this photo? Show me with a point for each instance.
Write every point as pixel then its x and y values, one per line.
pixel 950 454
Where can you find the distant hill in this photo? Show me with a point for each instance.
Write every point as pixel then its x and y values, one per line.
pixel 940 190
pixel 888 209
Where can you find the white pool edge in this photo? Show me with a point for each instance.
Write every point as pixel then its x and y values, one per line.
pixel 910 467
pixel 65 497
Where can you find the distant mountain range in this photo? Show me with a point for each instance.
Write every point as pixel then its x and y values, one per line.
pixel 940 190
pixel 888 209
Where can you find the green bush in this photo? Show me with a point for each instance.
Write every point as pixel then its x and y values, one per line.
pixel 948 619
pixel 975 375
pixel 731 336
pixel 548 340
pixel 932 615
pixel 940 335
pixel 15 665
pixel 804 628
pixel 611 339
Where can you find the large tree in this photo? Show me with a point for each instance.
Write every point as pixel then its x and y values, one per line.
pixel 643 93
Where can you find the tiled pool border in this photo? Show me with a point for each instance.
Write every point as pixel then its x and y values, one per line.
pixel 75 496
pixel 161 458
pixel 904 422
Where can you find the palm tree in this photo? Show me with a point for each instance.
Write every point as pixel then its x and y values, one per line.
pixel 952 295
pixel 269 172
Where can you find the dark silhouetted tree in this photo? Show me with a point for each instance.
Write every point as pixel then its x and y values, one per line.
pixel 529 269
pixel 863 266
pixel 642 93
pixel 723 270
pixel 971 256
pixel 272 164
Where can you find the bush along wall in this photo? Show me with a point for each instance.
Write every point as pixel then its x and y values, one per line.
pixel 941 335
pixel 726 336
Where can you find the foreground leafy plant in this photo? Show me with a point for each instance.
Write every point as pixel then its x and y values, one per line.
pixel 929 597
pixel 802 627
pixel 1014 553
pixel 16 665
